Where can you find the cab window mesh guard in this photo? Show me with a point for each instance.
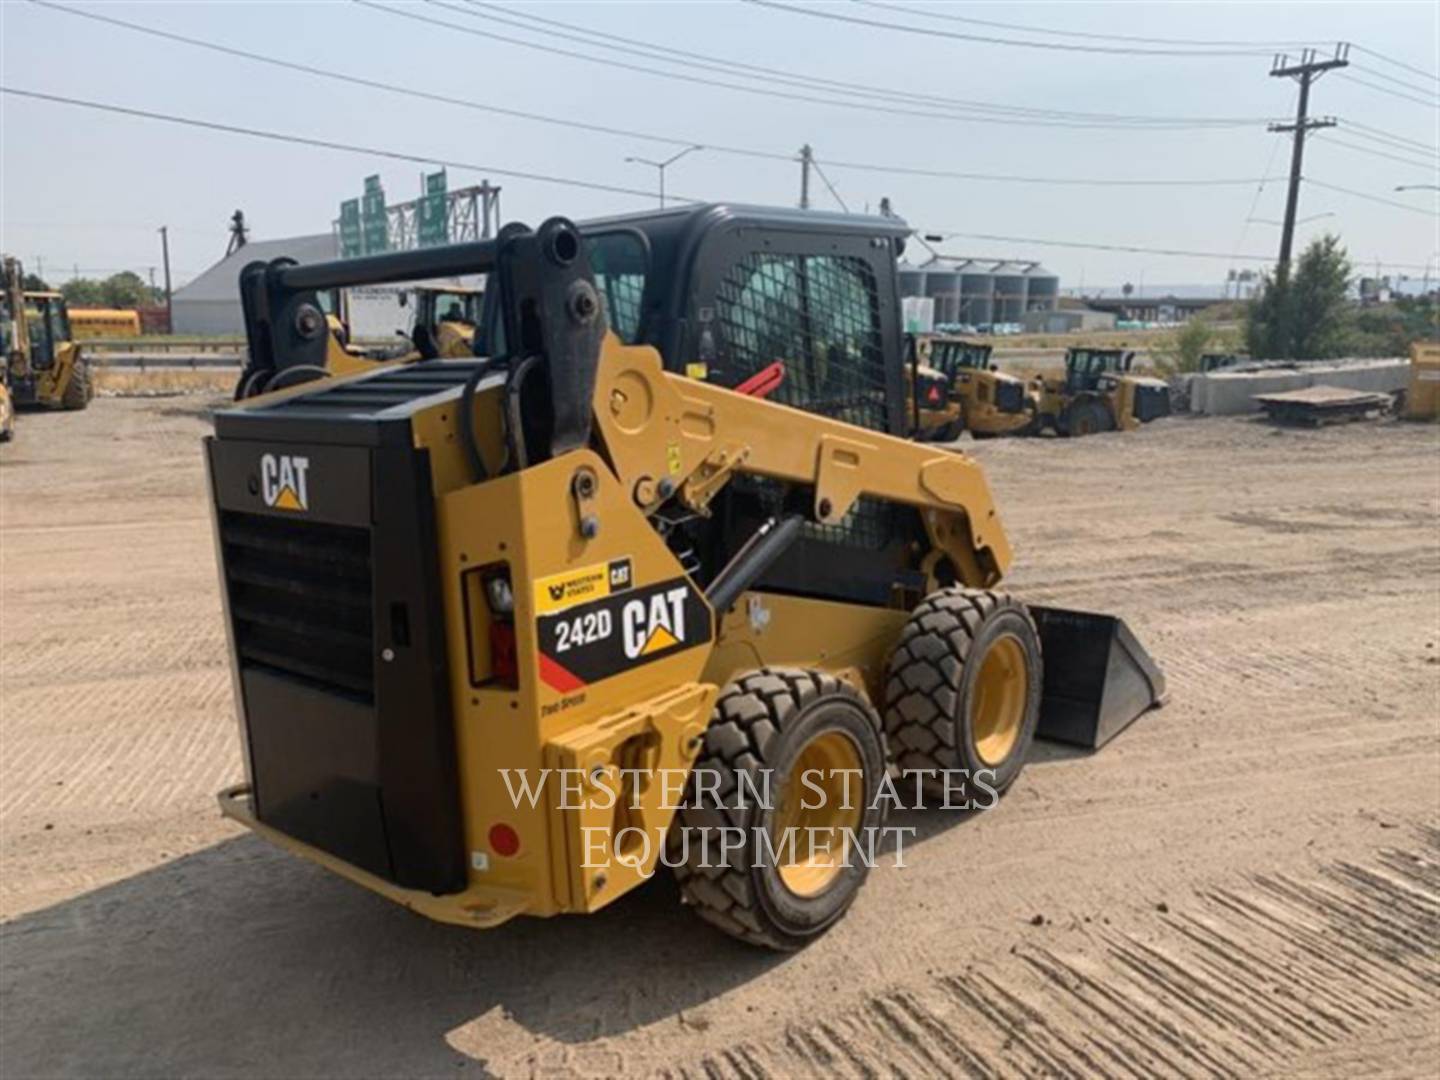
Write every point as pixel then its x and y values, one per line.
pixel 820 316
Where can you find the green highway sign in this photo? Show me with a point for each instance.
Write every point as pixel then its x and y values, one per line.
pixel 375 222
pixel 352 242
pixel 432 226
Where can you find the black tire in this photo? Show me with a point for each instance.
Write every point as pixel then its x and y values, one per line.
pixel 931 690
pixel 948 432
pixel 77 392
pixel 762 721
pixel 1086 418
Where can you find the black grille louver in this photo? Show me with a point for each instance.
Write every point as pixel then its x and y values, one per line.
pixel 1009 396
pixel 301 600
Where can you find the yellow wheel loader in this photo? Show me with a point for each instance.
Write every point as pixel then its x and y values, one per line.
pixel 1422 396
pixel 956 388
pixel 1098 393
pixel 658 581
pixel 43 363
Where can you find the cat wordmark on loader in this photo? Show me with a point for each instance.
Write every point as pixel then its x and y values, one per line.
pixel 483 613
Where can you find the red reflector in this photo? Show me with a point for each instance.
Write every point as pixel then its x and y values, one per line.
pixel 502 653
pixel 504 840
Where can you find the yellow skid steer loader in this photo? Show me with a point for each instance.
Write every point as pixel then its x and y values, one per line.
pixel 656 580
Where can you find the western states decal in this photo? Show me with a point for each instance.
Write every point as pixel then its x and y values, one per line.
pixel 573 587
pixel 587 642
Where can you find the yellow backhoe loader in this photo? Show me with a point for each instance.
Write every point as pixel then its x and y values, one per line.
pixel 444 326
pixel 43 363
pixel 956 388
pixel 1098 393
pixel 7 411
pixel 657 579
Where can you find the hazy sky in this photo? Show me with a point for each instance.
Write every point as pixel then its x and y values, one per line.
pixel 84 188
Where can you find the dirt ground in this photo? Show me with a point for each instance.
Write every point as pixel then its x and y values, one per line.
pixel 1246 882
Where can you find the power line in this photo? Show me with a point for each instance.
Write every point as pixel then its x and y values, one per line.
pixel 751 152
pixel 1126 248
pixel 1259 191
pixel 1384 138
pixel 327 144
pixel 1406 84
pixel 829 185
pixel 375 84
pixel 987 40
pixel 891 110
pixel 1123 248
pixel 1386 90
pixel 1371 198
pixel 666 53
pixel 1397 63
pixel 1377 153
pixel 116 225
pixel 947 174
pixel 1080 33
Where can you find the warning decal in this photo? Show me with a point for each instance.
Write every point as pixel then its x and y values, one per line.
pixel 592 641
pixel 573 587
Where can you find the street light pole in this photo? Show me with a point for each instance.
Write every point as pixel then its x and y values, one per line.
pixel 662 166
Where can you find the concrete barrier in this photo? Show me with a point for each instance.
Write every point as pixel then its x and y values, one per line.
pixel 1225 393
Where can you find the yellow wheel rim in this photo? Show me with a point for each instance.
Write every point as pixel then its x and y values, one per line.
pixel 1001 691
pixel 809 837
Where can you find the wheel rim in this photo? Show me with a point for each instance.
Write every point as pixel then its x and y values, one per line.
pixel 1001 691
pixel 806 867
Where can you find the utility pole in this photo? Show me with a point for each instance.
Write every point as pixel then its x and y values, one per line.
pixel 807 156
pixel 1305 71
pixel 165 253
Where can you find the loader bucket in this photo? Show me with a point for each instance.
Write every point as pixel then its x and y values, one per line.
pixel 1098 677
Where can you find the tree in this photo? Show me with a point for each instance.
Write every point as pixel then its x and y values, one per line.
pixel 126 289
pixel 123 290
pixel 1390 329
pixel 83 292
pixel 34 283
pixel 1185 347
pixel 1303 317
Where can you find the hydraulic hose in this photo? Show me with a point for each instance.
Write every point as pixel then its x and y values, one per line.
pixel 467 421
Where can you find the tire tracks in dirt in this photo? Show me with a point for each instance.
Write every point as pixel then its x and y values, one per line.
pixel 1245 976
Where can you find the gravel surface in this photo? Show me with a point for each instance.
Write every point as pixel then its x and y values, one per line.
pixel 1246 882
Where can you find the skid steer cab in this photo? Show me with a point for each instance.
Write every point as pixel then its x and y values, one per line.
pixel 1098 393
pixel 955 388
pixel 658 581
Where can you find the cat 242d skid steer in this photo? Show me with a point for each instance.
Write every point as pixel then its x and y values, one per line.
pixel 509 632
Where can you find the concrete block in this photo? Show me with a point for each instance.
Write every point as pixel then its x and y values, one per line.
pixel 1228 393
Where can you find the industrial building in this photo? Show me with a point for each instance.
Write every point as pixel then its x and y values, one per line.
pixel 981 292
pixel 210 304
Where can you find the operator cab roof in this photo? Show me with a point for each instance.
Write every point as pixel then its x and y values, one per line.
pixel 678 237
pixel 679 227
